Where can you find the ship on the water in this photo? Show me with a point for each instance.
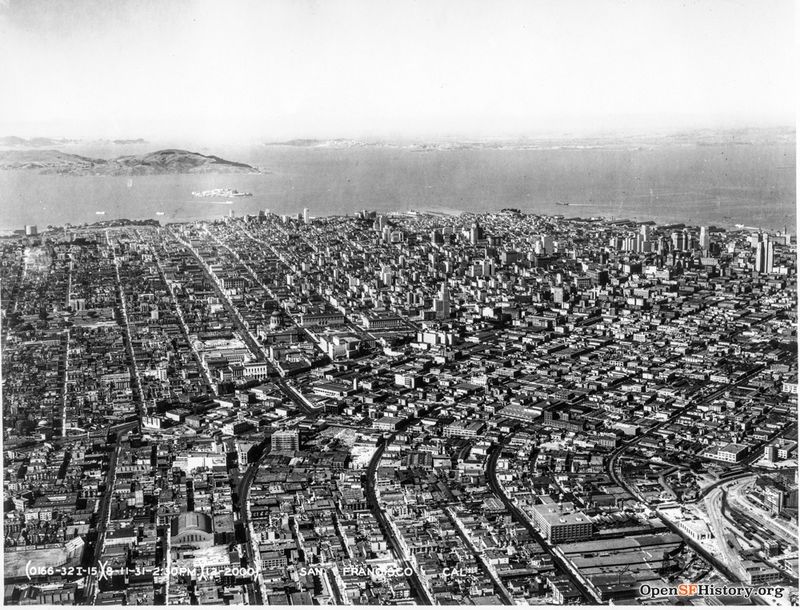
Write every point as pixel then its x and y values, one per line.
pixel 220 193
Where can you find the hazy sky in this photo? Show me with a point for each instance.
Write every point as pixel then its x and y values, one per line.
pixel 289 68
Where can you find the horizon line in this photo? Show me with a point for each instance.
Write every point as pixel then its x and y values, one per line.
pixel 555 132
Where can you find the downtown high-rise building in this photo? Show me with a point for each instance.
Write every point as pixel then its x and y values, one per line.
pixel 475 233
pixel 705 239
pixel 765 255
pixel 680 240
pixel 441 304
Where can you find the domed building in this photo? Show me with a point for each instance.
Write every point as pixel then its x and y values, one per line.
pixel 193 530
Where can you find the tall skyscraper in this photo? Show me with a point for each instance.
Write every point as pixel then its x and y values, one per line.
pixel 761 256
pixel 770 257
pixel 680 240
pixel 442 303
pixel 765 256
pixel 475 233
pixel 705 239
pixel 628 244
pixel 305 216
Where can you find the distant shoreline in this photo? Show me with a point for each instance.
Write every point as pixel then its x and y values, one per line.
pixel 438 213
pixel 737 185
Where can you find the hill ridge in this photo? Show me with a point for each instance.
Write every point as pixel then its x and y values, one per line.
pixel 164 161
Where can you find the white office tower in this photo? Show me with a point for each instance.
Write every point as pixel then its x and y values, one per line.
pixel 387 275
pixel 705 239
pixel 628 244
pixel 306 218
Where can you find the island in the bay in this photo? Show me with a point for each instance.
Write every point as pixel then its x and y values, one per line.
pixel 168 161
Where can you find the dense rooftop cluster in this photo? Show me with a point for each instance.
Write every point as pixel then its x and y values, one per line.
pixel 488 409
